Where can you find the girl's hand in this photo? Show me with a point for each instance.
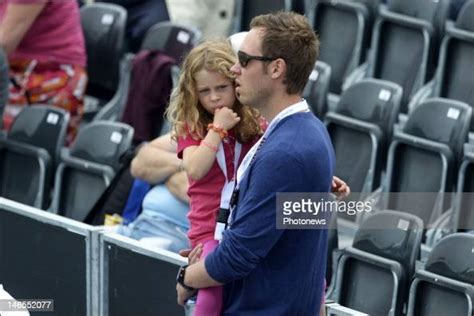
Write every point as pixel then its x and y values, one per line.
pixel 226 118
pixel 192 255
pixel 340 188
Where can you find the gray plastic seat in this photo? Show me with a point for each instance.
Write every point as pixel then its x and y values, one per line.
pixel 374 274
pixel 88 167
pixel 404 45
pixel 360 130
pixel 104 33
pixel 342 30
pixel 463 214
pixel 3 84
pixel 28 155
pixel 431 143
pixel 446 284
pixel 333 245
pixel 316 90
pixel 246 10
pixel 173 39
pixel 454 79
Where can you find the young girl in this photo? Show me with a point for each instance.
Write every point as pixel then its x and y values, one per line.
pixel 214 131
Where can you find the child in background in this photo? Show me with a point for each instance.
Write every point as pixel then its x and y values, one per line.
pixel 214 131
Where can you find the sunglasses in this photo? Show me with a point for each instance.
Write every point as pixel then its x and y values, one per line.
pixel 244 58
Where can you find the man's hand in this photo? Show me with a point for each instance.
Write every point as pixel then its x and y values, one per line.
pixel 193 257
pixel 183 294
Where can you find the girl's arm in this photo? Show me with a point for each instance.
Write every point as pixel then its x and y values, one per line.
pixel 16 22
pixel 198 160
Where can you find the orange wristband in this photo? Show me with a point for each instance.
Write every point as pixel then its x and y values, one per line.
pixel 219 130
pixel 212 147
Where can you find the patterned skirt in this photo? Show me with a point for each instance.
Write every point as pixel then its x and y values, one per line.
pixel 34 82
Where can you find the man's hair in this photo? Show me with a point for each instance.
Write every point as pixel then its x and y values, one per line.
pixel 289 36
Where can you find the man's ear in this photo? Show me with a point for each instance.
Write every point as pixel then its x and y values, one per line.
pixel 278 68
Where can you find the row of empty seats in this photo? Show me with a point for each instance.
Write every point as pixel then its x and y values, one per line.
pixel 379 274
pixel 403 37
pixel 33 161
pixel 109 69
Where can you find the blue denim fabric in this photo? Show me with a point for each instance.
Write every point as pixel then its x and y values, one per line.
pixel 163 216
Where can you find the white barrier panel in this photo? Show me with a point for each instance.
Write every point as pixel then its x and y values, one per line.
pixel 44 256
pixel 136 280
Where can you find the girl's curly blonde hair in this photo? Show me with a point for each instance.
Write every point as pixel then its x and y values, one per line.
pixel 185 112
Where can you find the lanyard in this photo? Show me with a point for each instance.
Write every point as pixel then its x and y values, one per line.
pixel 225 216
pixel 229 185
pixel 228 188
pixel 247 161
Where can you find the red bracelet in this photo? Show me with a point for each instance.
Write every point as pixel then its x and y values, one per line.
pixel 212 147
pixel 219 130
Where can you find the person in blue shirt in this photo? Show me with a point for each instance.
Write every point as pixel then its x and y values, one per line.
pixel 265 270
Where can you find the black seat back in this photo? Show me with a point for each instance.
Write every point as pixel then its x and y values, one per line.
pixel 342 44
pixel 391 234
pixel 456 64
pixel 88 168
pixel 103 143
pixel 412 25
pixel 453 257
pixel 29 154
pixel 431 142
pixel 441 120
pixel 445 285
pixel 41 126
pixel 104 33
pixel 316 89
pixel 3 84
pixel 360 130
pixel 173 39
pixel 248 9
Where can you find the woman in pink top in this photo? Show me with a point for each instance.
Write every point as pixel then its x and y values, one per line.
pixel 45 46
pixel 214 131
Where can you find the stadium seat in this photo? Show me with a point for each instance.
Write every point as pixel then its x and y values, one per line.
pixel 173 39
pixel 29 154
pixel 3 85
pixel 373 275
pixel 333 244
pixel 431 143
pixel 463 215
pixel 246 10
pixel 454 79
pixel 104 33
pixel 446 284
pixel 343 44
pixel 404 44
pixel 360 130
pixel 316 90
pixel 88 167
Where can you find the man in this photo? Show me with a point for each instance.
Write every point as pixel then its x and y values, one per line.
pixel 267 271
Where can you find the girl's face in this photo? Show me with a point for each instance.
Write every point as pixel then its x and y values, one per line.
pixel 214 90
